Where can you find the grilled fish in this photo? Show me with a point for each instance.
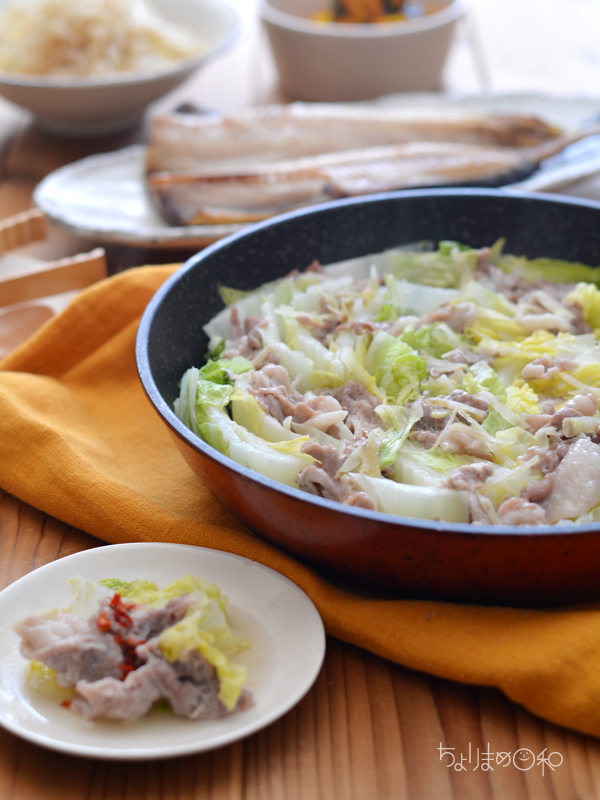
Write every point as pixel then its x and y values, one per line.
pixel 264 134
pixel 249 195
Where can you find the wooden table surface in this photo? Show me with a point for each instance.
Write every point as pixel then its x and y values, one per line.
pixel 369 728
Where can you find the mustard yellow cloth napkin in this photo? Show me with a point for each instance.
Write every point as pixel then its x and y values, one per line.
pixel 80 441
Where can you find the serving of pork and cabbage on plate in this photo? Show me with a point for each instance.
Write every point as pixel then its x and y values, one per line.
pixel 122 647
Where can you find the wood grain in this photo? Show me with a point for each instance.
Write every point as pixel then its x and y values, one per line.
pixel 64 275
pixel 368 730
pixel 21 229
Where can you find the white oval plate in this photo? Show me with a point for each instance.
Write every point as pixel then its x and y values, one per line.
pixel 104 197
pixel 283 625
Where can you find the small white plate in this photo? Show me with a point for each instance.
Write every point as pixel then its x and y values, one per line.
pixel 104 197
pixel 283 625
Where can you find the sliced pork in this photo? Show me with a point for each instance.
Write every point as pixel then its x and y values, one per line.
pixel 360 404
pixel 70 646
pixel 115 663
pixel 324 480
pixel 576 486
pixel 191 687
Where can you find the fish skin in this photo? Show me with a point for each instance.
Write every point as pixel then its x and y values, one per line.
pixel 263 134
pixel 270 188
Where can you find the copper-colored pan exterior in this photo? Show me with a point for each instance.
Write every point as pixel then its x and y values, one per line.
pixel 399 556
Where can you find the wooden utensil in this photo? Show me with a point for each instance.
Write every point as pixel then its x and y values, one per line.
pixel 20 229
pixel 52 277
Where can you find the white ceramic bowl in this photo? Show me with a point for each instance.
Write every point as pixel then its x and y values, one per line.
pixel 348 61
pixel 102 104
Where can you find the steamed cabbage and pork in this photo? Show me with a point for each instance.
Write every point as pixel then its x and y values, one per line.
pixel 123 646
pixel 457 384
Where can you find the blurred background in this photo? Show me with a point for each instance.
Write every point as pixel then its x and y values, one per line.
pixel 548 46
